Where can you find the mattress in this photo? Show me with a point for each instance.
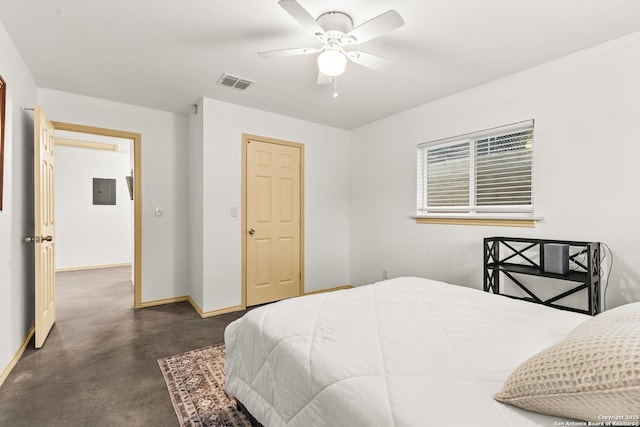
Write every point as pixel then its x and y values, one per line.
pixel 403 352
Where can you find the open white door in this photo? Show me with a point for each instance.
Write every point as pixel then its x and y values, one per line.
pixel 43 187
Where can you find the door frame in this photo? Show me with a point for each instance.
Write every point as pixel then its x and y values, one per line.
pixel 243 230
pixel 137 191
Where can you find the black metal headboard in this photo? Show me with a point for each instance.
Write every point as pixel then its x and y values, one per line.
pixel 514 257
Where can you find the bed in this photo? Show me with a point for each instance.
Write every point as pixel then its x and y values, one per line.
pixel 402 352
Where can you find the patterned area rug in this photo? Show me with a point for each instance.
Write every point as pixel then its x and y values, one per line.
pixel 196 385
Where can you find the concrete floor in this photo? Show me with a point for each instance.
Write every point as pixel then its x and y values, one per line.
pixel 99 366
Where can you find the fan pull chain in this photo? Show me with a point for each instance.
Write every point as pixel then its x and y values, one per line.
pixel 335 87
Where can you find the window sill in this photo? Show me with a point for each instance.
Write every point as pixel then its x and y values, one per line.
pixel 478 219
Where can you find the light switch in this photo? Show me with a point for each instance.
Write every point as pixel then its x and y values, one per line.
pixel 234 212
pixel 159 211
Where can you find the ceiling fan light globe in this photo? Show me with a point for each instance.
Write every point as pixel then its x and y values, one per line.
pixel 332 63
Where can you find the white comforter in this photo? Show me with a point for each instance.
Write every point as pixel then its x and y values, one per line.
pixel 404 352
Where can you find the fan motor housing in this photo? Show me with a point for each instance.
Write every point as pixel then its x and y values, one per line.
pixel 335 22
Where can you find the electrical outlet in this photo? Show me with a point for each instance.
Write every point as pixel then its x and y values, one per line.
pixel 385 273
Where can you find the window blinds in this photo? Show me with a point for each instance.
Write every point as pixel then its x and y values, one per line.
pixel 487 171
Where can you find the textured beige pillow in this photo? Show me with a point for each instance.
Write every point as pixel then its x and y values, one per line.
pixel 624 313
pixel 588 376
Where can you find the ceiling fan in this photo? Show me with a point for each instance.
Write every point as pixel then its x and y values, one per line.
pixel 335 31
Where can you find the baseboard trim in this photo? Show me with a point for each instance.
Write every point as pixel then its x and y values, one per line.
pixel 164 301
pixel 17 356
pixel 205 314
pixel 196 307
pixel 337 288
pixel 92 267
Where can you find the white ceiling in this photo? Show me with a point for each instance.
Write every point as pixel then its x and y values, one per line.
pixel 167 55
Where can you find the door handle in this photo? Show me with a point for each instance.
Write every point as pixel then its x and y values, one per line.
pixel 38 239
pixel 252 231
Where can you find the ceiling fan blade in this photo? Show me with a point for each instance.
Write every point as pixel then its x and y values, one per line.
pixel 288 52
pixel 388 21
pixel 301 15
pixel 370 61
pixel 324 79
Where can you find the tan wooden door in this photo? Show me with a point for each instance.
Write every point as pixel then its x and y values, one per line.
pixel 43 183
pixel 273 219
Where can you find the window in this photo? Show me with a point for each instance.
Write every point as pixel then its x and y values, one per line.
pixel 483 172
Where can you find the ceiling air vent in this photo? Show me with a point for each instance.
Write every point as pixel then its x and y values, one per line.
pixel 235 82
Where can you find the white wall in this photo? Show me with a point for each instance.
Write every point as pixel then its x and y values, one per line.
pixel 87 234
pixel 16 217
pixel 326 198
pixel 164 181
pixel 586 107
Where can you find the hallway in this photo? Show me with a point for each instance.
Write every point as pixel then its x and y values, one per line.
pixel 98 366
